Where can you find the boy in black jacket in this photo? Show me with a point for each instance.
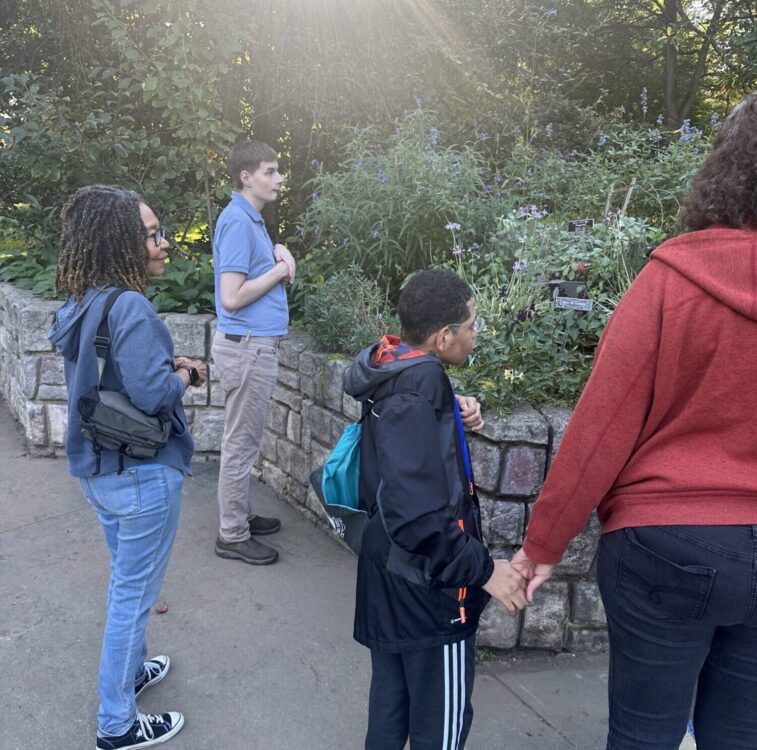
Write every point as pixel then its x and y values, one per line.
pixel 424 574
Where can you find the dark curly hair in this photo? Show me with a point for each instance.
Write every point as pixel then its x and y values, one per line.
pixel 103 241
pixel 430 301
pixel 724 190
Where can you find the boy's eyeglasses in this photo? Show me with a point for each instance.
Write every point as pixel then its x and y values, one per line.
pixel 159 235
pixel 477 326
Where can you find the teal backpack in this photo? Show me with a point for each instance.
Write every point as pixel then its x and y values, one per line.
pixel 337 485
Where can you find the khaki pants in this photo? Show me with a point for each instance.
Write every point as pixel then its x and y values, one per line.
pixel 247 371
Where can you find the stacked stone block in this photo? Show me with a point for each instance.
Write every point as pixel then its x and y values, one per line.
pixel 308 412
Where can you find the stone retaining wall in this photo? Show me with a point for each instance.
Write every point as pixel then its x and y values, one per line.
pixel 309 410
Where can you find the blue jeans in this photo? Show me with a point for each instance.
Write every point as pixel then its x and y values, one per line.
pixel 681 616
pixel 139 513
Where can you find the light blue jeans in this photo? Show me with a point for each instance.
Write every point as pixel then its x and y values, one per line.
pixel 139 513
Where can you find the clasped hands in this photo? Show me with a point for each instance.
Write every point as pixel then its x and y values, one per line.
pixel 514 582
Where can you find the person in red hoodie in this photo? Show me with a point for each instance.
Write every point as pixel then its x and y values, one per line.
pixel 663 443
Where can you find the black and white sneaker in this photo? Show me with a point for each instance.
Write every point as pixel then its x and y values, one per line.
pixel 146 731
pixel 155 670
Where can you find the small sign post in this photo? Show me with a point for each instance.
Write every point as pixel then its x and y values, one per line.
pixel 579 226
pixel 573 303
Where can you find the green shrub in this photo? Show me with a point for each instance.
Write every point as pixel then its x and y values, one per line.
pixel 150 116
pixel 347 312
pixel 186 285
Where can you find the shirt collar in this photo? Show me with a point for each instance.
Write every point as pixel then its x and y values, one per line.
pixel 239 200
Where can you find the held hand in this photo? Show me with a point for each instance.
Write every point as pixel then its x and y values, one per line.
pixel 536 573
pixel 470 412
pixel 507 586
pixel 281 253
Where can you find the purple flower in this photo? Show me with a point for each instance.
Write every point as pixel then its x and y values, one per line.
pixel 375 234
pixel 660 120
pixel 644 100
pixel 457 250
pixel 552 12
pixel 433 136
pixel 520 265
pixel 405 217
pixel 531 211
pixel 548 128
pixel 714 119
pixel 474 246
pixel 418 102
pixel 383 179
pixel 314 196
pixel 602 140
pixel 453 226
pixel 688 133
pixel 315 163
pixel 483 137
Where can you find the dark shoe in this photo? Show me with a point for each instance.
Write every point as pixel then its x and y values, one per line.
pixel 155 670
pixel 146 731
pixel 250 551
pixel 260 525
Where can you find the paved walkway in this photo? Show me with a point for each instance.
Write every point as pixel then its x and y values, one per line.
pixel 263 658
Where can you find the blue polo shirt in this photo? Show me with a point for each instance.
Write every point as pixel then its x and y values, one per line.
pixel 241 244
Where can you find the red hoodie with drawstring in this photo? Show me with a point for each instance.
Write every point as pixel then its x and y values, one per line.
pixel 665 431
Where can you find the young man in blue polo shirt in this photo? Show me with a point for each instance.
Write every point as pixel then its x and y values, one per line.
pixel 251 306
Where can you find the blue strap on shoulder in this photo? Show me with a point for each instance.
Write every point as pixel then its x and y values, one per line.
pixel 463 442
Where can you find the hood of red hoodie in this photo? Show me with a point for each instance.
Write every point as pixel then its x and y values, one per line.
pixel 721 261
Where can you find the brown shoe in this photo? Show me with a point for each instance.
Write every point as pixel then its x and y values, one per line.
pixel 250 551
pixel 260 525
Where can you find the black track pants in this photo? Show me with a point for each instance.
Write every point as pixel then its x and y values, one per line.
pixel 424 695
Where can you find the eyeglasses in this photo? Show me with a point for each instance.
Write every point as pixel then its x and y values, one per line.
pixel 159 235
pixel 477 326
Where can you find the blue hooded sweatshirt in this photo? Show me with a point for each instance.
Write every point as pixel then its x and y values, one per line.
pixel 139 365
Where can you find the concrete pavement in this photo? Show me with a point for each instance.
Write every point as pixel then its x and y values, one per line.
pixel 262 658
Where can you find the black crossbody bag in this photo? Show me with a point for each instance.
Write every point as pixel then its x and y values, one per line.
pixel 109 419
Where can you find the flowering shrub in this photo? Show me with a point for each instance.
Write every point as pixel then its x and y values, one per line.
pixel 645 166
pixel 410 203
pixel 386 207
pixel 531 349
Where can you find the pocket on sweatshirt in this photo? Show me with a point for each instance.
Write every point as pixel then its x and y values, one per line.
pixel 657 585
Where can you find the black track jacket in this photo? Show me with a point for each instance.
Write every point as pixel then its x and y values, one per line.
pixel 422 559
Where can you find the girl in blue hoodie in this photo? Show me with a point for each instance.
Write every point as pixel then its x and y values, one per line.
pixel 112 239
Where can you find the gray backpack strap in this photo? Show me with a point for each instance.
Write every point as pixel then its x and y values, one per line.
pixel 102 337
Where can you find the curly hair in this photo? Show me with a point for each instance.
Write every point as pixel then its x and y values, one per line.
pixel 103 241
pixel 724 190
pixel 431 300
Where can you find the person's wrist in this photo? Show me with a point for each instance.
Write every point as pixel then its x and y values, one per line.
pixel 193 375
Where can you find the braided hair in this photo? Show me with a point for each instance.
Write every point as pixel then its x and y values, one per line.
pixel 103 241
